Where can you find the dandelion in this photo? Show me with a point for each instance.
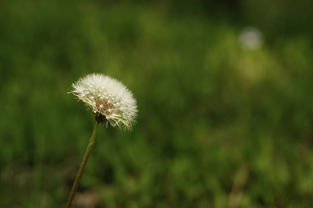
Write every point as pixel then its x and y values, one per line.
pixel 251 38
pixel 109 99
pixel 111 102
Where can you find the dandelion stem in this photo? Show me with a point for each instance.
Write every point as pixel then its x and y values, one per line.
pixel 82 167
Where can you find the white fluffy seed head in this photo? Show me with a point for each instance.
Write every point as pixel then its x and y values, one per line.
pixel 107 97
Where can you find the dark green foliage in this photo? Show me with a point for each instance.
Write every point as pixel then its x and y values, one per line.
pixel 207 107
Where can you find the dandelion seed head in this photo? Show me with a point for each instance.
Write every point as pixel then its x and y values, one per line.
pixel 108 98
pixel 251 38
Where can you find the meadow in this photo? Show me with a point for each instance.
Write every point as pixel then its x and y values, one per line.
pixel 219 124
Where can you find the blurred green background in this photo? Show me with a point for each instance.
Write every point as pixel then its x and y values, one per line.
pixel 224 90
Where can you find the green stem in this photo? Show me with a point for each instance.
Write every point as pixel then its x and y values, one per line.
pixel 82 167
